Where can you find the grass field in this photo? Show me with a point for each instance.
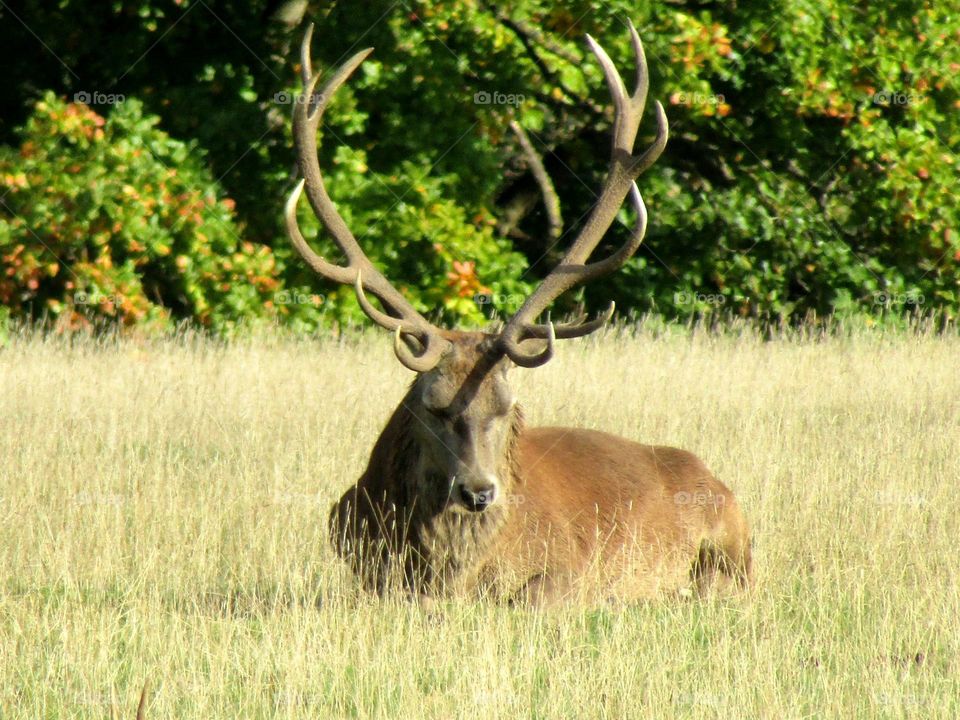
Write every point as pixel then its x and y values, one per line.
pixel 163 508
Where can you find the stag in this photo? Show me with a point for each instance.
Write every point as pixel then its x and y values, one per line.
pixel 459 495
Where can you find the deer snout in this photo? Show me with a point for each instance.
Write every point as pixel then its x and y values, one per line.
pixel 477 494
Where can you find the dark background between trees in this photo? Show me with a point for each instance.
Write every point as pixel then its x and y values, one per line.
pixel 145 155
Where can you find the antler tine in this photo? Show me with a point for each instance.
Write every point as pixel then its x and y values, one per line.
pixel 316 263
pixel 432 348
pixel 306 63
pixel 618 92
pixel 624 168
pixel 598 269
pixel 400 315
pixel 642 72
pixel 536 359
pixel 575 329
pixel 652 153
pixel 594 270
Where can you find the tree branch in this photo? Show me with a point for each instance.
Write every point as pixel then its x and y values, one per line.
pixel 551 201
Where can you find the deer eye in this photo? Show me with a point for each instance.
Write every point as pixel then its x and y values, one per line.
pixel 460 426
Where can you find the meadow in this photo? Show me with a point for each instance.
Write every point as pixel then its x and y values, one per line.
pixel 163 508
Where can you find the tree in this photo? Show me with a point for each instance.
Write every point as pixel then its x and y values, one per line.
pixel 810 168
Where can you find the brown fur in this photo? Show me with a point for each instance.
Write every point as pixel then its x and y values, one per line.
pixel 578 512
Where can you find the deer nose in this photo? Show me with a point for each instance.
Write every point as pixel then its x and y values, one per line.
pixel 479 496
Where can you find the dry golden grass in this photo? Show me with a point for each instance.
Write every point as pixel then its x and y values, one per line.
pixel 164 504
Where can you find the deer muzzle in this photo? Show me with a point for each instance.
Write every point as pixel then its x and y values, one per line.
pixel 476 494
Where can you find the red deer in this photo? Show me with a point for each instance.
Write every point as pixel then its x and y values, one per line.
pixel 459 496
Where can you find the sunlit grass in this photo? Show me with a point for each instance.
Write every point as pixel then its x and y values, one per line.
pixel 164 503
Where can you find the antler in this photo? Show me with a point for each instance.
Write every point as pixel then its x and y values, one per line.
pixel 574 270
pixel 400 316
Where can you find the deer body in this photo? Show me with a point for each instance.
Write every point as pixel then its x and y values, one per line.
pixel 458 495
pixel 576 513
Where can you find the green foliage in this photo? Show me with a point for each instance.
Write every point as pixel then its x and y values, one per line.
pixel 435 255
pixel 832 137
pixel 811 164
pixel 112 219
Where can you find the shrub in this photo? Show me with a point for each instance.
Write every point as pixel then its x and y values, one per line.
pixel 111 219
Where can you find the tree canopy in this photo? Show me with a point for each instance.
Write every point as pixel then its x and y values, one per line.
pixel 146 153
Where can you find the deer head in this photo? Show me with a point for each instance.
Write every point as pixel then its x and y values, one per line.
pixel 461 401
